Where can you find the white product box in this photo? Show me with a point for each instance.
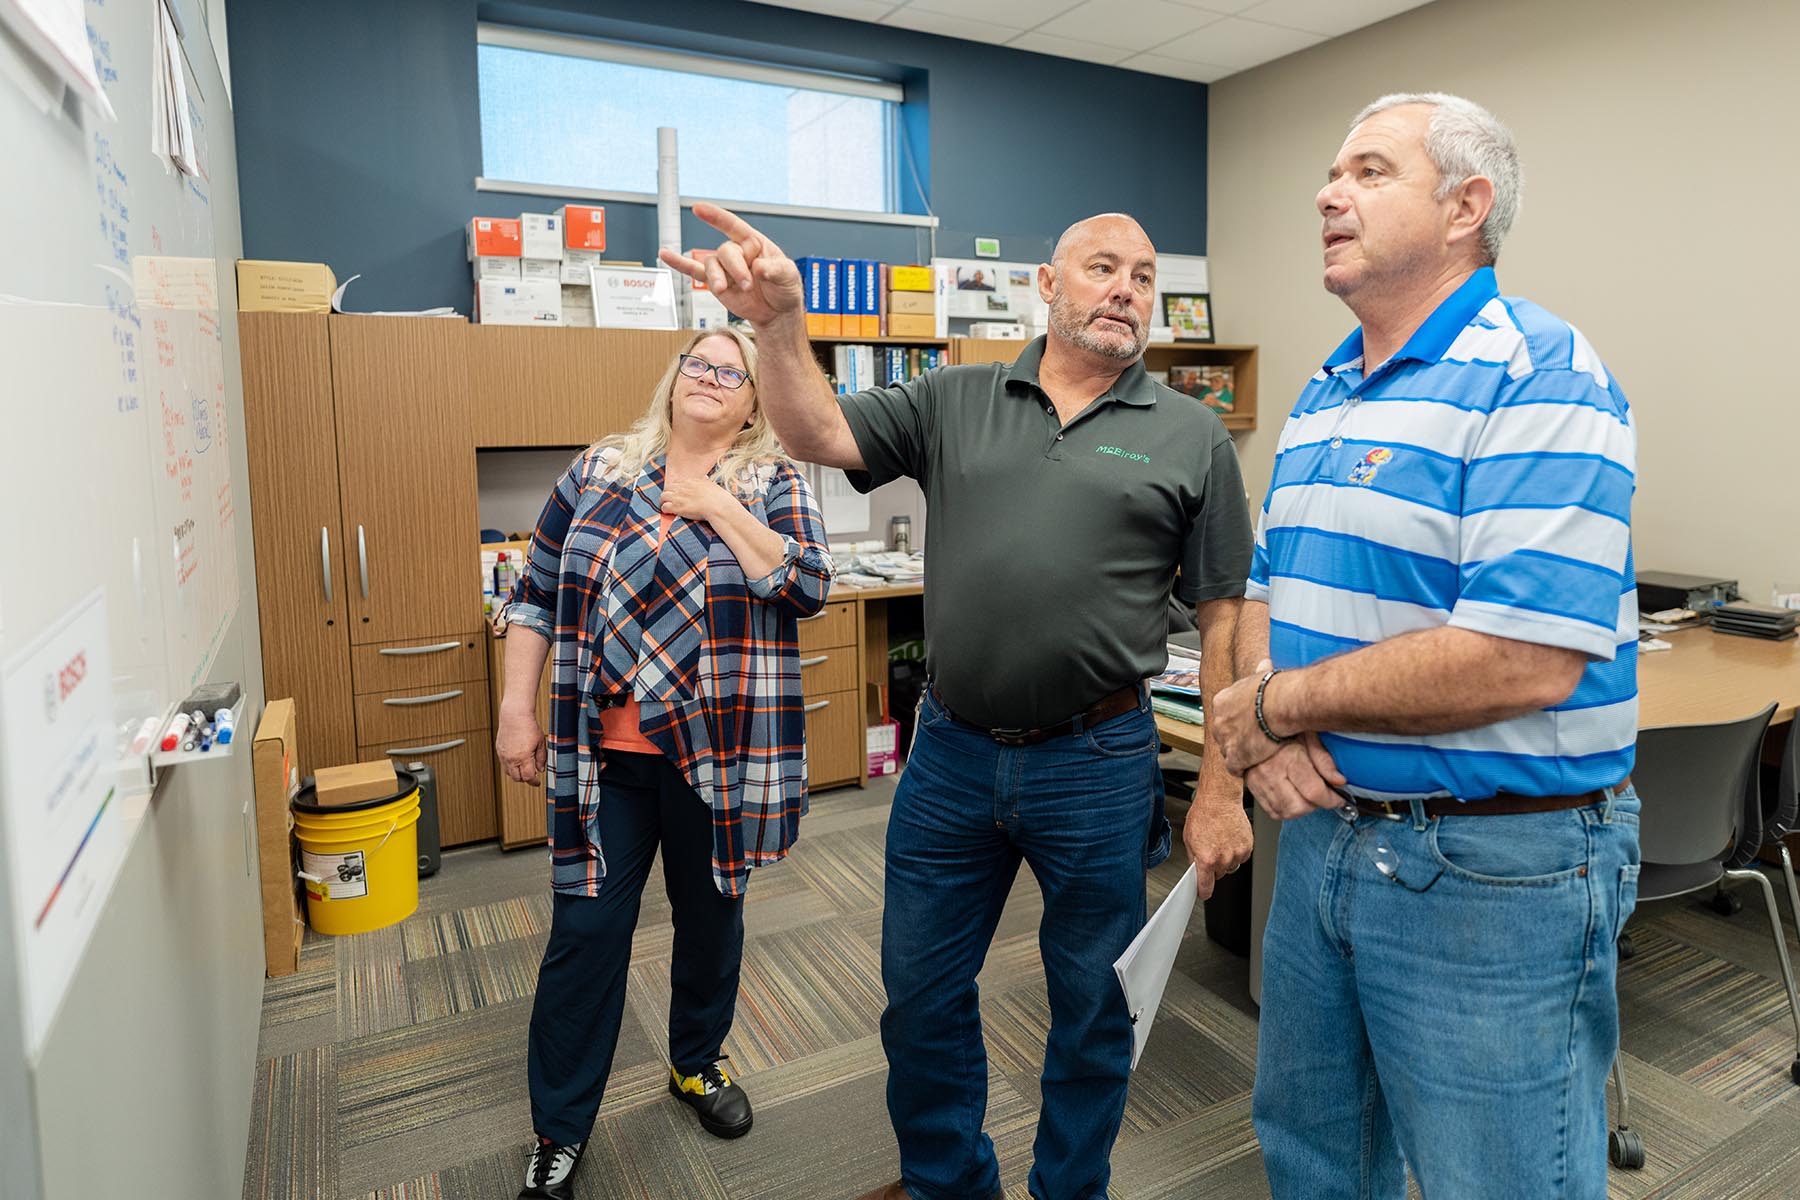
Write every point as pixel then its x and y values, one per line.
pixel 577 263
pixel 541 235
pixel 525 302
pixel 1002 331
pixel 540 268
pixel 577 306
pixel 491 266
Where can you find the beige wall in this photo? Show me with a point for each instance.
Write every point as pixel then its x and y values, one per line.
pixel 1661 217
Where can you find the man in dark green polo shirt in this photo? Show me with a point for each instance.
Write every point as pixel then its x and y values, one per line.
pixel 1067 493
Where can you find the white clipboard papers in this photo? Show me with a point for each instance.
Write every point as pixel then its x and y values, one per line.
pixel 1144 968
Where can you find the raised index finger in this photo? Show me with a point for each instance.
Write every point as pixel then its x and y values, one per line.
pixel 727 223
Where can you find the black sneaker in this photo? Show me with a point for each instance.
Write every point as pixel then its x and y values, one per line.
pixel 718 1101
pixel 550 1171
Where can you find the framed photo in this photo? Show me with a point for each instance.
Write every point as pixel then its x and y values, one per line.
pixel 1189 314
pixel 1213 384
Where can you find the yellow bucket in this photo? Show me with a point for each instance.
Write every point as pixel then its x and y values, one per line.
pixel 360 862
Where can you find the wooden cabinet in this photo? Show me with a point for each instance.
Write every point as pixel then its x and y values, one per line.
pixel 301 590
pixel 406 470
pixel 835 741
pixel 465 782
pixel 562 387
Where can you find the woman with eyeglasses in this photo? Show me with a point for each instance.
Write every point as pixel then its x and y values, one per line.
pixel 665 577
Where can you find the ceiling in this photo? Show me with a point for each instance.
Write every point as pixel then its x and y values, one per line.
pixel 1201 40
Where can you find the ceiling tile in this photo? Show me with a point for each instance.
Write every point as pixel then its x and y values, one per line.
pixel 1045 43
pixel 949 25
pixel 1329 17
pixel 1175 68
pixel 1141 25
pixel 855 10
pixel 1016 14
pixel 1236 42
pixel 1222 7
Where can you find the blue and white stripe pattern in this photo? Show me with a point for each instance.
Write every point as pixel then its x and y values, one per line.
pixel 1481 478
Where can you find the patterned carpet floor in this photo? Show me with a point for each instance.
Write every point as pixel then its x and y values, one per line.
pixel 392 1065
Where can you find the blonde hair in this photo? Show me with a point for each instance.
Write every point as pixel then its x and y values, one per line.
pixel 648 437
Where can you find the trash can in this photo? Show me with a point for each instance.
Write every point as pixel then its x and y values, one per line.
pixel 431 855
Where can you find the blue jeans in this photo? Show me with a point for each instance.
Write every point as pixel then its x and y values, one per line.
pixel 1465 1019
pixel 1084 812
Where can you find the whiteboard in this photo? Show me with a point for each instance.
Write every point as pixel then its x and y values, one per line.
pixel 112 370
pixel 119 579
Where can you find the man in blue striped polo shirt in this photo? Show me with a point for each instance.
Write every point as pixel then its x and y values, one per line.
pixel 1439 700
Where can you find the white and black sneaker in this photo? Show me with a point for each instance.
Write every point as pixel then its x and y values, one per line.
pixel 550 1171
pixel 717 1099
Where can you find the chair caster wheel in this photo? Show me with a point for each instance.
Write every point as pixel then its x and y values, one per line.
pixel 1627 948
pixel 1726 904
pixel 1625 1150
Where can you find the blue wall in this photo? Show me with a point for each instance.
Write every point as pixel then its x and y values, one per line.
pixel 359 138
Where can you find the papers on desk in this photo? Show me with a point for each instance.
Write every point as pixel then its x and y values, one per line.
pixel 1143 969
pixel 1176 692
pixel 337 305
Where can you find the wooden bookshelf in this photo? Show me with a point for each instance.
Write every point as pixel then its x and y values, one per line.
pixel 1160 356
pixel 880 341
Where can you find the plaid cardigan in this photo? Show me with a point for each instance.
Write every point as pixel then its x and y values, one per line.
pixel 711 657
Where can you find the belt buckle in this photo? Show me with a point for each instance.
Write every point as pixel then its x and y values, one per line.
pixel 1010 737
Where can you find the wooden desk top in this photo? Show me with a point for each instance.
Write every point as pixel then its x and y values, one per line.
pixel 890 592
pixel 1704 678
pixel 1707 677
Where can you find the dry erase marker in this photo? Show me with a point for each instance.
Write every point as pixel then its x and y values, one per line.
pixel 187 745
pixel 177 730
pixel 145 735
pixel 223 723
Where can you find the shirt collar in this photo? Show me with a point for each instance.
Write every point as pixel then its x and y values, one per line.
pixel 1133 386
pixel 1431 339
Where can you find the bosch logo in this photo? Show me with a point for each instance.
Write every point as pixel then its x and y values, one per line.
pixel 633 283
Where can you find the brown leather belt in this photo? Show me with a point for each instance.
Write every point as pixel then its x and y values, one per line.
pixel 1104 709
pixel 1500 804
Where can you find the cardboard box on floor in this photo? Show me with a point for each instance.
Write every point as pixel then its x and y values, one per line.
pixel 273 757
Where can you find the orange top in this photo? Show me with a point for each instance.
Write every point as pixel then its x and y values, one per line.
pixel 619 724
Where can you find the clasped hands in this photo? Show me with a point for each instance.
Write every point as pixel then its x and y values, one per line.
pixel 1289 778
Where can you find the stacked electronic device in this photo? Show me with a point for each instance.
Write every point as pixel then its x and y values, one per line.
pixel 1755 620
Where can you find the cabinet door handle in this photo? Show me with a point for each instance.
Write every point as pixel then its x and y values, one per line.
pixel 815 617
pixel 815 661
pixel 439 648
pixel 415 751
pixel 325 559
pixel 440 697
pixel 362 558
pixel 816 705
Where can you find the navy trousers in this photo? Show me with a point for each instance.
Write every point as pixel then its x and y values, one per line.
pixel 644 803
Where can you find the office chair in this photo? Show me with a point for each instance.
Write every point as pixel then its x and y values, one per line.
pixel 1701 822
pixel 1781 812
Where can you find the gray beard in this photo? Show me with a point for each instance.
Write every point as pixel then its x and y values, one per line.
pixel 1077 333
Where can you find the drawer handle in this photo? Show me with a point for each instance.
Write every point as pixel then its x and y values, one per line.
pixel 816 705
pixel 437 649
pixel 813 662
pixel 325 558
pixel 415 751
pixel 408 701
pixel 818 616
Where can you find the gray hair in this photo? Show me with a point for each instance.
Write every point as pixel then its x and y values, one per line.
pixel 1464 139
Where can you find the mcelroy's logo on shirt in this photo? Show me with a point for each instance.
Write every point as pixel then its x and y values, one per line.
pixel 1117 452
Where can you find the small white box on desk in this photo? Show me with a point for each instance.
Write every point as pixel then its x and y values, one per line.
pixel 541 235
pixel 524 302
pixel 494 266
pixel 576 265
